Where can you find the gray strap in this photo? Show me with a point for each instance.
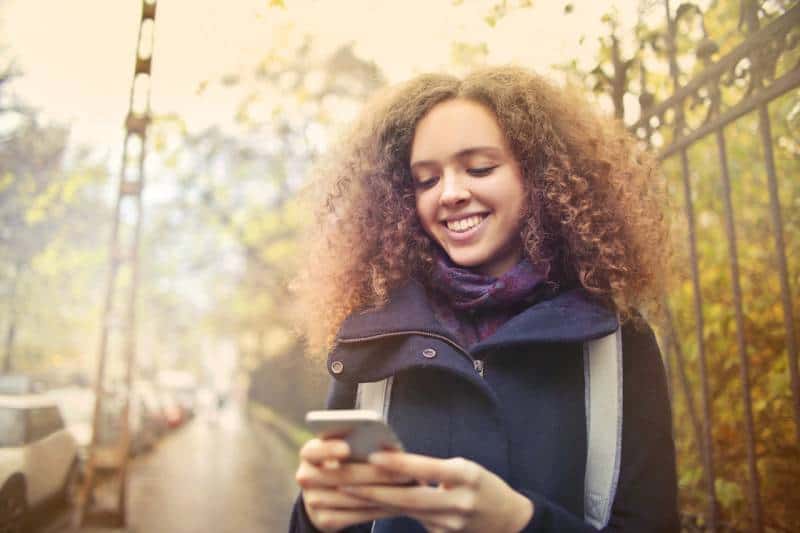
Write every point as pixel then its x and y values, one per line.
pixel 375 396
pixel 602 360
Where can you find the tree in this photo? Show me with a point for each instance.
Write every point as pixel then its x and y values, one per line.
pixel 636 77
pixel 46 211
pixel 235 194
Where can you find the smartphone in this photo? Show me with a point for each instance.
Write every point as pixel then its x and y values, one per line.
pixel 363 429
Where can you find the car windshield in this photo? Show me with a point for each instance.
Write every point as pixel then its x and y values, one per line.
pixel 14 384
pixel 12 427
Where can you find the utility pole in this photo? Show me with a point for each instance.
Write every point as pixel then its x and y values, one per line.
pixel 109 460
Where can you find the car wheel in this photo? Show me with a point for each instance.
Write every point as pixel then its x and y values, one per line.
pixel 13 509
pixel 71 491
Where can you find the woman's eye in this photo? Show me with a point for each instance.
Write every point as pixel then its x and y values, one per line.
pixel 426 183
pixel 481 171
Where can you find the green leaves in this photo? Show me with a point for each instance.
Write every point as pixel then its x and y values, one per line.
pixel 501 9
pixel 51 225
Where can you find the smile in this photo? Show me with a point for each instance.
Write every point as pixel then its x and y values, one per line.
pixel 465 224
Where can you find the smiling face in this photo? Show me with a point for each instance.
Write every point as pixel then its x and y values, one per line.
pixel 469 191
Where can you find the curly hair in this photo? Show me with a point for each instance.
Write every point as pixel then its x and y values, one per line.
pixel 593 211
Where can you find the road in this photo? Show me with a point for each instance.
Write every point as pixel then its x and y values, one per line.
pixel 227 475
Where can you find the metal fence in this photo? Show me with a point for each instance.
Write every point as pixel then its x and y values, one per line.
pixel 749 74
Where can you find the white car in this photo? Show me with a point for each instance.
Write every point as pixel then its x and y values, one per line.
pixel 77 407
pixel 38 458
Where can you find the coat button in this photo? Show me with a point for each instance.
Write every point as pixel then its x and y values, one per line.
pixel 429 353
pixel 337 367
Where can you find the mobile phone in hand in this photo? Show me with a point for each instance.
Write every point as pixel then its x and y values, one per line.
pixel 364 430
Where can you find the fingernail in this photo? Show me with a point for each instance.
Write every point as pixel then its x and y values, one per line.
pixel 331 464
pixel 341 449
pixel 378 458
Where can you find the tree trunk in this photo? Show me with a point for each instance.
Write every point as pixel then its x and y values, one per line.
pixel 8 365
pixel 8 361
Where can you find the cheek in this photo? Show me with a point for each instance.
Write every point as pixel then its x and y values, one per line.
pixel 426 211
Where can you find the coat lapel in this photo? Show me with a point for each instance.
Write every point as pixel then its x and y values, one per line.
pixel 375 343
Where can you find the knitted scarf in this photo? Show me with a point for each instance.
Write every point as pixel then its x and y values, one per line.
pixel 473 305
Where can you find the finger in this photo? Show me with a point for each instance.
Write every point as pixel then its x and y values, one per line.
pixel 421 498
pixel 333 520
pixel 309 475
pixel 432 528
pixel 440 521
pixel 450 472
pixel 320 499
pixel 318 451
pixel 364 474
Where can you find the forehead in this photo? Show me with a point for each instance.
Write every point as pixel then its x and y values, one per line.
pixel 455 126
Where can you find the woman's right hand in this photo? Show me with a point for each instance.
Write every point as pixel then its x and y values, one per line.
pixel 323 468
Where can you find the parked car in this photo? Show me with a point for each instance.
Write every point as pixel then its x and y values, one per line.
pixel 20 384
pixel 77 408
pixel 172 410
pixel 38 458
pixel 181 387
pixel 146 419
pixel 155 418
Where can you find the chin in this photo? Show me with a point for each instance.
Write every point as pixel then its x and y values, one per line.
pixel 466 261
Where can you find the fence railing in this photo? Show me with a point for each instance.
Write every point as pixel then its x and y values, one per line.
pixel 750 70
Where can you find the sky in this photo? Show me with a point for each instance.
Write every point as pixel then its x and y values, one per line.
pixel 76 58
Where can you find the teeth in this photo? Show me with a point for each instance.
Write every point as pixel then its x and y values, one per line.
pixel 464 224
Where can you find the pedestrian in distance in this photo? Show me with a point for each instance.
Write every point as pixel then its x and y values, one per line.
pixel 484 253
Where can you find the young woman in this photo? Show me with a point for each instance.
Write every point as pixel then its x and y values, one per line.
pixel 474 236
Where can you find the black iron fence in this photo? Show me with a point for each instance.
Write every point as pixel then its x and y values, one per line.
pixel 729 346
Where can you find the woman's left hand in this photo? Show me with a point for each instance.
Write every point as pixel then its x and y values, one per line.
pixel 452 495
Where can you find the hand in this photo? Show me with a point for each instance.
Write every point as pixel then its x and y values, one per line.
pixel 322 469
pixel 467 497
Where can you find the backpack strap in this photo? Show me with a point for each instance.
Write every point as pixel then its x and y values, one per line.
pixel 375 396
pixel 602 363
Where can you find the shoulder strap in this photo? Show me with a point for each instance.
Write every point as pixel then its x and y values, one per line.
pixel 375 396
pixel 602 363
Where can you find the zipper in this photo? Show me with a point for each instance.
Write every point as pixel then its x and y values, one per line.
pixel 477 364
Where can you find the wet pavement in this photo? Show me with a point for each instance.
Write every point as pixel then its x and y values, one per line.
pixel 220 476
pixel 224 474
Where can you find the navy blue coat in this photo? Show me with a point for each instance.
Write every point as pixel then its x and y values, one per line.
pixel 523 416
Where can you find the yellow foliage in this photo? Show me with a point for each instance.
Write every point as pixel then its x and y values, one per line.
pixel 6 180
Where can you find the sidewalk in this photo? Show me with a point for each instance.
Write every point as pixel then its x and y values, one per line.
pixel 228 475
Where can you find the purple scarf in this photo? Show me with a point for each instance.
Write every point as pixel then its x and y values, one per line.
pixel 472 305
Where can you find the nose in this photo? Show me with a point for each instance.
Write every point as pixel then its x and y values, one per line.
pixel 454 189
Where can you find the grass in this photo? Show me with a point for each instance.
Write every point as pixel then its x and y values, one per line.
pixel 294 434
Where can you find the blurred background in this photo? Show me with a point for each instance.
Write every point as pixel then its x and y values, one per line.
pixel 237 100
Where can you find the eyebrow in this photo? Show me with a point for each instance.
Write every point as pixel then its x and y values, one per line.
pixel 461 154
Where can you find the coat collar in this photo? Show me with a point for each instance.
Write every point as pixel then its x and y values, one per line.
pixel 571 316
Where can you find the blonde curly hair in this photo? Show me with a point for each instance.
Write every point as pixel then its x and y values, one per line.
pixel 593 211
